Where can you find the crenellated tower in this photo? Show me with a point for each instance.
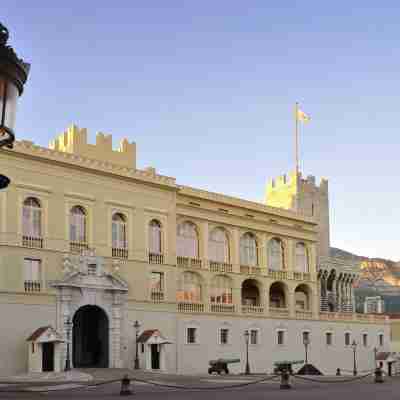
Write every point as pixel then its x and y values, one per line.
pixel 304 196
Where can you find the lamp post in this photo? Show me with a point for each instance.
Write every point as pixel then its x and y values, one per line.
pixel 136 325
pixel 68 326
pixel 246 338
pixel 306 342
pixel 354 347
pixel 13 76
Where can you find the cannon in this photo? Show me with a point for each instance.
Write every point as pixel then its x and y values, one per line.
pixel 221 365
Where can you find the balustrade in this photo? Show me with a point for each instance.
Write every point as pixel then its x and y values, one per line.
pixel 249 309
pixel 279 275
pixel 30 241
pixel 119 252
pixel 78 247
pixel 222 308
pixel 155 258
pixel 32 286
pixel 191 307
pixel 157 297
pixel 188 262
pixel 303 314
pixel 281 312
pixel 220 267
pixel 250 270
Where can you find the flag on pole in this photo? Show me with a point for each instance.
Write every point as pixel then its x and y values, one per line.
pixel 302 116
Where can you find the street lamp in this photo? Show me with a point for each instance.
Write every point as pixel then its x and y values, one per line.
pixel 136 325
pixel 306 342
pixel 354 347
pixel 13 76
pixel 68 326
pixel 246 338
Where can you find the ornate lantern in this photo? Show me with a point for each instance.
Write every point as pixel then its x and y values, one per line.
pixel 13 75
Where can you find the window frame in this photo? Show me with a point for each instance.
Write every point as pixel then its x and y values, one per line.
pixel 220 336
pixel 347 342
pixel 257 336
pixel 330 336
pixel 196 335
pixel 280 333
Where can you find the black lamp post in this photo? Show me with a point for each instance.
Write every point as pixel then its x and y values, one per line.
pixel 246 338
pixel 136 325
pixel 306 342
pixel 13 76
pixel 68 326
pixel 354 347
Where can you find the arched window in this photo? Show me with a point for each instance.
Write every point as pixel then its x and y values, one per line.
pixel 32 218
pixel 119 237
pixel 218 246
pixel 221 290
pixel 248 250
pixel 275 254
pixel 189 288
pixel 187 243
pixel 155 237
pixel 78 229
pixel 301 257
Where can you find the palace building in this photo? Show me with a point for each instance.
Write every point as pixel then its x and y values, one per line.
pixel 87 237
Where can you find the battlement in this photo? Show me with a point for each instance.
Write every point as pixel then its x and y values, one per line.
pixel 74 141
pixel 294 181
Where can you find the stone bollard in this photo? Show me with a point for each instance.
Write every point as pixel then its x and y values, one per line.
pixel 378 375
pixel 125 386
pixel 338 373
pixel 285 380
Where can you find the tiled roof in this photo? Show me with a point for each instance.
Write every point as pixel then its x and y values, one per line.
pixel 146 335
pixel 36 335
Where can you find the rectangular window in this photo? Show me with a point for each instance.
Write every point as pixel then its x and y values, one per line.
pixel 142 347
pixel 157 282
pixel 347 339
pixel 32 270
pixel 224 336
pixel 253 336
pixel 365 339
pixel 33 347
pixel 191 335
pixel 329 338
pixel 380 339
pixel 281 337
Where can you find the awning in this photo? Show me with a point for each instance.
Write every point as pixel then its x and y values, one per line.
pixel 153 336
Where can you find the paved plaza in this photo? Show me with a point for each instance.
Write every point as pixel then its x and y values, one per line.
pixel 199 387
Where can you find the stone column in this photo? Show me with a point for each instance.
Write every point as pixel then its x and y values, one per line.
pixel 291 302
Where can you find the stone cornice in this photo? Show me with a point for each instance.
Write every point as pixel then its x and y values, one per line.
pixel 28 148
pixel 247 204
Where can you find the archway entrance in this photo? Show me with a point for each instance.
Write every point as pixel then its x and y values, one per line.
pixel 90 338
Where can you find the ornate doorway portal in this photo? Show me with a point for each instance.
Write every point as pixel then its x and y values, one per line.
pixel 90 338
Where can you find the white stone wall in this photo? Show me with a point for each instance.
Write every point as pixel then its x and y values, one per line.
pixel 22 320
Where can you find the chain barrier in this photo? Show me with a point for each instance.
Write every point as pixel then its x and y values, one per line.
pixel 360 372
pixel 207 388
pixel 83 385
pixel 333 381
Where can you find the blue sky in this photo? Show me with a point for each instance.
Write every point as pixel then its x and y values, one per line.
pixel 206 90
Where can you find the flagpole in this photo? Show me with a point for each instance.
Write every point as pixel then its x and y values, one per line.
pixel 296 137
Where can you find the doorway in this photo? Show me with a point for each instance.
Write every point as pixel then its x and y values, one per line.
pixel 47 357
pixel 155 356
pixel 90 338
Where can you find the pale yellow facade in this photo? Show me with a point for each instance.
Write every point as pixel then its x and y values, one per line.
pixel 104 182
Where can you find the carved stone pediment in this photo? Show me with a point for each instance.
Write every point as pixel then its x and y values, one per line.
pixel 91 272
